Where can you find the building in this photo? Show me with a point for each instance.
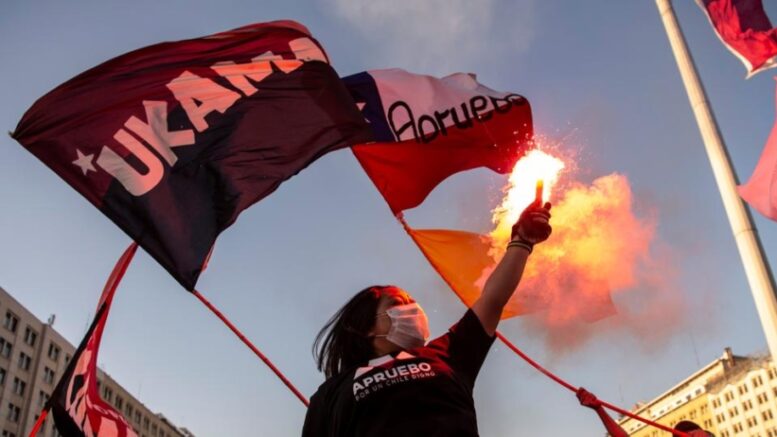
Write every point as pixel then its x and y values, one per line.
pixel 33 356
pixel 731 396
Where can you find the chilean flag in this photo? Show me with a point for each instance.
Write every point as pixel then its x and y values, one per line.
pixel 746 31
pixel 427 129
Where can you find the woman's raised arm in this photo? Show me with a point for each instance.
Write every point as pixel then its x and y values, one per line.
pixel 533 227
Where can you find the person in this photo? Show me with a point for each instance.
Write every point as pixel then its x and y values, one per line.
pixel 587 399
pixel 382 377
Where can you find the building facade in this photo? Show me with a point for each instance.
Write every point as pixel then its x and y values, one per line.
pixel 732 396
pixel 33 356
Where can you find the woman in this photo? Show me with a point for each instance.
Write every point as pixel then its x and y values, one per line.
pixel 381 378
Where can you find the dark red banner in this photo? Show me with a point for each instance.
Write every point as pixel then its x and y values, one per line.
pixel 174 140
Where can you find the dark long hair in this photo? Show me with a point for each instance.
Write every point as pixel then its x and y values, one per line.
pixel 343 342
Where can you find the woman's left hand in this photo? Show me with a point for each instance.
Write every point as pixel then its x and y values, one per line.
pixel 533 226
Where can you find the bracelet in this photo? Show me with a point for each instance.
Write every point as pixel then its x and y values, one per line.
pixel 520 244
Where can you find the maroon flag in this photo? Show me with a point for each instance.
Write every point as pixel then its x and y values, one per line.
pixel 745 30
pixel 75 404
pixel 761 190
pixel 174 140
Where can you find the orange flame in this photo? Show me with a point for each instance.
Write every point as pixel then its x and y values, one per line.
pixel 598 247
pixel 536 165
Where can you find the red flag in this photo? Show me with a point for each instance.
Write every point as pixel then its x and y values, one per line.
pixel 427 129
pixel 761 190
pixel 76 405
pixel 173 141
pixel 746 31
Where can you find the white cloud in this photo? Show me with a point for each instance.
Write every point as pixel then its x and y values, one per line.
pixel 437 36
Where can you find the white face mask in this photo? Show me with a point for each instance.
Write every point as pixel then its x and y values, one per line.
pixel 409 326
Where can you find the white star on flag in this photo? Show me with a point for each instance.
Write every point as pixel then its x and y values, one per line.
pixel 85 162
pixel 361 106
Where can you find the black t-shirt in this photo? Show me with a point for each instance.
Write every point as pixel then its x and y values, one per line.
pixel 425 391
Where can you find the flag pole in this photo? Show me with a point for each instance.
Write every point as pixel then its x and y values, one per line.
pixel 759 276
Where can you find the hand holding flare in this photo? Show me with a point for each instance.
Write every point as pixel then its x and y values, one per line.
pixel 533 225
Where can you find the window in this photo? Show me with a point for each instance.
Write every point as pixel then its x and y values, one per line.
pixel 24 361
pixel 767 415
pixel 8 434
pixel 5 348
pixel 67 359
pixel 137 416
pixel 128 410
pixel 107 394
pixel 2 376
pixel 13 412
pixel 43 397
pixel 19 386
pixel 30 336
pixel 119 402
pixel 11 321
pixel 53 351
pixel 145 423
pixel 48 375
pixel 771 373
pixel 762 398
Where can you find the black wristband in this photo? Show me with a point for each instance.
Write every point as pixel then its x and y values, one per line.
pixel 522 244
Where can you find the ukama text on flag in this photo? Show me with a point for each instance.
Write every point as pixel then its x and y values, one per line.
pixel 173 141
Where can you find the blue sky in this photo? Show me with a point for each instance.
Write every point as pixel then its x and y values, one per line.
pixel 599 73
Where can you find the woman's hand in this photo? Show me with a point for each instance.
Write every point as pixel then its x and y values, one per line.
pixel 588 399
pixel 533 227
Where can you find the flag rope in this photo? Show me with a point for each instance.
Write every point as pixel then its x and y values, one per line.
pixel 400 217
pixel 251 346
pixel 39 422
pixel 572 388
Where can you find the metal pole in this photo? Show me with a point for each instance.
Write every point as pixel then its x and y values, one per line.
pixel 757 270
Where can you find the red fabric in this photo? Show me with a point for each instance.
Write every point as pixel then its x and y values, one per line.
pixel 761 190
pixel 406 172
pixel 76 405
pixel 745 29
